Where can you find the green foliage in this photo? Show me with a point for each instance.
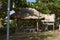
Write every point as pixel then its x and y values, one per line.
pixel 3 30
pixel 57 4
pixel 47 11
pixel 45 36
pixel 42 6
pixel 12 23
pixel 20 3
pixel 12 28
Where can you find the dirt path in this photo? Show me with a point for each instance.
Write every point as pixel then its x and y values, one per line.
pixel 57 35
pixel 57 38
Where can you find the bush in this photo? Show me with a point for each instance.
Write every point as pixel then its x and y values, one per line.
pixel 4 30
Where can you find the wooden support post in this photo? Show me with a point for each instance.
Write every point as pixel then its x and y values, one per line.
pixel 59 27
pixel 16 24
pixel 53 27
pixel 37 26
pixel 47 27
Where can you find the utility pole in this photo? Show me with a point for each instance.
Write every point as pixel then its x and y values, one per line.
pixel 8 18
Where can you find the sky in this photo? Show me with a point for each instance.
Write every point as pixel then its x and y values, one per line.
pixel 30 0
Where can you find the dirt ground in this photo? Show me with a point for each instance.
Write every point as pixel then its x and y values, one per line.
pixel 56 35
pixel 33 36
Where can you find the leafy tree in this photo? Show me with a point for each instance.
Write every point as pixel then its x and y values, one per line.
pixel 41 6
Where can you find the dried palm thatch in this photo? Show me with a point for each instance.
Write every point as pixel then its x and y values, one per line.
pixel 26 13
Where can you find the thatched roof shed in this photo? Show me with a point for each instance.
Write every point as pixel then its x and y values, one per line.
pixel 26 13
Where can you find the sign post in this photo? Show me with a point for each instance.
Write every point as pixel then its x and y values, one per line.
pixel 8 18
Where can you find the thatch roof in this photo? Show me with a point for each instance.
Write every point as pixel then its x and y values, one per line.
pixel 27 13
pixel 48 17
